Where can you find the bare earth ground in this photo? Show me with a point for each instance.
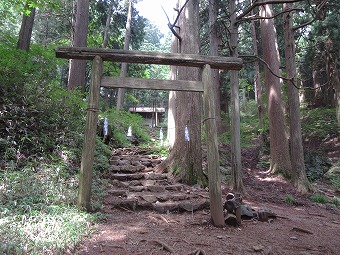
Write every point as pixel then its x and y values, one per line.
pixel 302 228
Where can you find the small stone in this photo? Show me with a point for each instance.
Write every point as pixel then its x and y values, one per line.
pixel 258 247
pixel 219 237
pixel 149 198
pixel 293 238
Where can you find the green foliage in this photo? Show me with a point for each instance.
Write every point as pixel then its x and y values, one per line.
pixel 37 212
pixel 120 122
pixel 335 201
pixel 316 165
pixel 289 199
pixel 319 122
pixel 249 125
pixel 319 198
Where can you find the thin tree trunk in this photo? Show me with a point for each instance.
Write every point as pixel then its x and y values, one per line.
pixel 236 173
pixel 25 33
pixel 296 148
pixel 279 149
pixel 123 72
pixel 215 79
pixel 78 67
pixel 105 42
pixel 257 79
pixel 171 134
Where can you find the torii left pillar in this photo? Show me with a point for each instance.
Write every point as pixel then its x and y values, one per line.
pixel 86 169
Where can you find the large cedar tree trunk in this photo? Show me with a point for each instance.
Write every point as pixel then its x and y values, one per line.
pixel 185 159
pixel 279 149
pixel 25 33
pixel 123 71
pixel 296 147
pixel 77 70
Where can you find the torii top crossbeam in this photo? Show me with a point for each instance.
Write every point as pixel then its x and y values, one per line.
pixel 176 59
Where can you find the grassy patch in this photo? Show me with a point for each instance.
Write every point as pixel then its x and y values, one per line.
pixel 38 213
pixel 289 199
pixel 319 198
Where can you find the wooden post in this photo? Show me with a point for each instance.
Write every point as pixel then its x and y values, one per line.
pixel 214 176
pixel 85 178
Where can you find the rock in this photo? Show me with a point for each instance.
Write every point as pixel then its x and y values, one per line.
pixel 129 169
pixel 179 196
pixel 155 188
pixel 165 207
pixel 258 247
pixel 175 187
pixel 264 214
pixel 124 162
pixel 126 177
pixel 247 211
pixel 136 188
pixel 130 203
pixel 135 183
pixel 191 206
pixel 149 198
pixel 231 220
pixel 144 204
pixel 117 193
pixel 164 197
pixel 155 176
pixel 115 168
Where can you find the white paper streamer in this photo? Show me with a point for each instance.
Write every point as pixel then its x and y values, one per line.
pixel 186 134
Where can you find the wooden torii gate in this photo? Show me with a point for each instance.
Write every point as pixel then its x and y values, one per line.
pixel 191 60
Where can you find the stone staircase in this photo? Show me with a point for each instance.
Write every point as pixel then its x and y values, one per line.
pixel 135 186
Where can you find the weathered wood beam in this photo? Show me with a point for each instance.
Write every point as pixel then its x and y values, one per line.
pixel 136 83
pixel 176 59
pixel 86 168
pixel 215 193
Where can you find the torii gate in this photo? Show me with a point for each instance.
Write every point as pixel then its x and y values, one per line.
pixel 191 60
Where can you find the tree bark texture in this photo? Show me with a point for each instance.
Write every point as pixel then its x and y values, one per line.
pixel 279 149
pixel 296 148
pixel 85 177
pixel 257 78
pixel 171 134
pixel 105 42
pixel 123 71
pixel 25 33
pixel 77 76
pixel 186 156
pixel 215 78
pixel 236 172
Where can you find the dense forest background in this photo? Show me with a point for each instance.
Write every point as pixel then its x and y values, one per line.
pixel 43 105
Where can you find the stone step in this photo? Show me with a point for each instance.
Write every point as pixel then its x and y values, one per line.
pixel 128 177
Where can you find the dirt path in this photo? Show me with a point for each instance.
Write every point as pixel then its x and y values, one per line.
pixel 140 227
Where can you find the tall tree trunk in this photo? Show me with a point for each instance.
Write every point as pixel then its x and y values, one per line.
pixel 25 33
pixel 257 78
pixel 171 133
pixel 105 42
pixel 236 173
pixel 214 40
pixel 296 149
pixel 279 149
pixel 185 159
pixel 123 72
pixel 77 70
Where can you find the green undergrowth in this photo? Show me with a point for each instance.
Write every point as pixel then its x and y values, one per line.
pixel 38 213
pixel 119 123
